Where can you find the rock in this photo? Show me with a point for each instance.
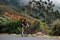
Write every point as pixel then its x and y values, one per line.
pixel 39 33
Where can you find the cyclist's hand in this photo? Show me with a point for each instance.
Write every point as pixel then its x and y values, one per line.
pixel 27 25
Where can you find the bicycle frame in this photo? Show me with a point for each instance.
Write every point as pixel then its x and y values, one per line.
pixel 23 30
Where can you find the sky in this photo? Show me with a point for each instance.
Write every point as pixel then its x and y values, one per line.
pixel 56 1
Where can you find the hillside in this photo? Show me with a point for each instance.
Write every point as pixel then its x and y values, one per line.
pixel 9 15
pixel 12 13
pixel 40 18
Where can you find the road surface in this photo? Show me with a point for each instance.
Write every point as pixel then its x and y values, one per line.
pixel 13 37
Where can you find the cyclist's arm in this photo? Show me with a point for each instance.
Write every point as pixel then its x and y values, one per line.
pixel 23 24
pixel 27 25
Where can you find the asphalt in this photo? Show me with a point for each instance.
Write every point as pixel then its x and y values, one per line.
pixel 12 37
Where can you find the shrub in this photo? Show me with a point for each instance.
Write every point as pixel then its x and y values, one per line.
pixel 56 28
pixel 44 28
pixel 34 27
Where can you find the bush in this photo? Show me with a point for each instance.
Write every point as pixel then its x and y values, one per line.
pixel 10 26
pixel 13 27
pixel 44 28
pixel 34 27
pixel 56 28
pixel 39 26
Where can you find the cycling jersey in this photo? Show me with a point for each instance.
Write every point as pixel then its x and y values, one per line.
pixel 24 22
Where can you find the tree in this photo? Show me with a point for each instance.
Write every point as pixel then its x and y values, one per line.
pixel 36 8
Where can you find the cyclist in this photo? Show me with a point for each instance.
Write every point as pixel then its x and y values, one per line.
pixel 24 26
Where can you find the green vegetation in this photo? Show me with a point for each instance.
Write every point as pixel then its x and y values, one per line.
pixel 41 17
pixel 44 11
pixel 8 25
pixel 56 28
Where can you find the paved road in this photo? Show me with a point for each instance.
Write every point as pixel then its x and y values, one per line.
pixel 12 37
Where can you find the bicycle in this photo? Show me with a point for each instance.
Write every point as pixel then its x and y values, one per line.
pixel 24 30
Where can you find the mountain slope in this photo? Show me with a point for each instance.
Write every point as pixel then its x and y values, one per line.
pixel 12 13
pixel 9 16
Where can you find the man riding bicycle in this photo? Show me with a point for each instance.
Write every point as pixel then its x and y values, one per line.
pixel 24 26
